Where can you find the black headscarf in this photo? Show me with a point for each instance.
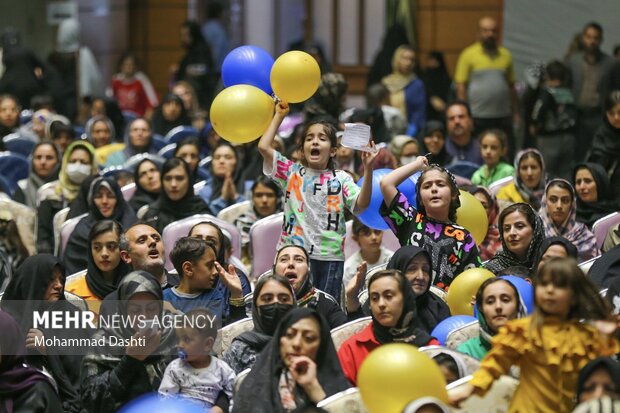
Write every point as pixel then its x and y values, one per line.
pixel 607 363
pixel 570 248
pixel 442 158
pixel 259 391
pixel 606 268
pixel 262 332
pixel 589 212
pixel 142 197
pixel 162 125
pixel 437 82
pixel 430 308
pixel 406 329
pixel 15 376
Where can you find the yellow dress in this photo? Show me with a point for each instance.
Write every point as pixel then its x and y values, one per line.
pixel 550 361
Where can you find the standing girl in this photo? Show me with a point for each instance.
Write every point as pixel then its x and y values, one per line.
pixel 315 196
pixel 551 346
pixel 431 226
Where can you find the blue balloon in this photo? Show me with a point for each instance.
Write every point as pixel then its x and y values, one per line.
pixel 371 216
pixel 153 403
pixel 526 290
pixel 248 65
pixel 441 330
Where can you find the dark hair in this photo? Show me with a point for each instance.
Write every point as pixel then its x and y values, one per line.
pixel 459 102
pixel 397 274
pixel 375 94
pixel 358 226
pixel 50 143
pixel 189 249
pixel 498 133
pixel 593 25
pixel 41 102
pixel 486 283
pixel 283 281
pixel 172 163
pixel 556 70
pixel 192 140
pixel 520 271
pixel 330 130
pixel 6 96
pixel 612 100
pixel 268 182
pixel 206 329
pixel 454 191
pixel 214 9
pixel 195 33
pixel 534 155
pixel 447 361
pixel 561 183
pixel 520 207
pixel 103 226
pixel 587 304
pixel 57 128
pixel 221 253
pixel 128 54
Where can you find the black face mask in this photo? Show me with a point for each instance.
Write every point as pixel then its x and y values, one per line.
pixel 271 314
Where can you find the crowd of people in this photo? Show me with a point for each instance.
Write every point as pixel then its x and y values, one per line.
pixel 99 160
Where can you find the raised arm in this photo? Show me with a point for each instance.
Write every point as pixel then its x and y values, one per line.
pixel 363 199
pixel 390 181
pixel 264 144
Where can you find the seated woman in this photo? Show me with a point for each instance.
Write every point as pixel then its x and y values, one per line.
pixel 169 114
pixel 189 150
pixel 498 302
pixel 521 232
pixel 529 183
pixel 555 247
pixel 138 139
pixel 226 186
pixel 491 243
pixel 597 379
pixel 265 202
pixel 104 265
pixel 176 200
pixel 43 169
pixel 394 314
pixel 298 367
pixel 24 388
pixel 293 263
pixel 114 375
pixel 101 133
pixel 78 163
pixel 38 285
pixel 273 299
pixel 148 184
pixel 558 212
pixel 415 263
pixel 594 193
pixel 105 201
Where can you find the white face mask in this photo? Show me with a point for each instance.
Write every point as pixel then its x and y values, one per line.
pixel 404 160
pixel 78 172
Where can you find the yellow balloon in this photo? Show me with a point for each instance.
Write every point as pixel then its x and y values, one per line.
pixel 472 216
pixel 395 374
pixel 462 292
pixel 295 76
pixel 241 113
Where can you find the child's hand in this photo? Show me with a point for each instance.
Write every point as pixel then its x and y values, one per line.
pixel 460 394
pixel 421 162
pixel 357 282
pixel 369 157
pixel 230 279
pixel 282 108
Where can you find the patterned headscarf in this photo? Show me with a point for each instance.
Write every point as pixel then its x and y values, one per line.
pixel 531 196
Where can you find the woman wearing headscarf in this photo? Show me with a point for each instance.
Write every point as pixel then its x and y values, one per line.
pixel 556 247
pixel 415 263
pixel 147 178
pixel 273 298
pixel 407 91
pixel 78 163
pixel 599 378
pixel 594 193
pixel 38 285
pixel 521 233
pixel 43 169
pixel 105 201
pixel 226 187
pixel 329 97
pixel 529 183
pixel 287 376
pixel 498 302
pixel 491 243
pixel 433 142
pixel 394 315
pixel 104 265
pixel 176 199
pixel 101 133
pixel 23 389
pixel 559 212
pixel 138 139
pixel 113 375
pixel 169 114
pixel 438 85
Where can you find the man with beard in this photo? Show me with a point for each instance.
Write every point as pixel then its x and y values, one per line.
pixel 485 78
pixel 587 68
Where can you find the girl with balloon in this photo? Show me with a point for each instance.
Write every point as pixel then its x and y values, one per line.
pixel 315 196
pixel 432 224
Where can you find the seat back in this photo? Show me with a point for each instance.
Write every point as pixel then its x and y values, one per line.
pixel 19 144
pixel 181 228
pixel 179 133
pixel 227 334
pixel 231 213
pixel 239 379
pixel 466 363
pixel 341 333
pixel 463 168
pixel 65 232
pixel 46 191
pixel 601 227
pixel 499 395
pixel 389 241
pixel 167 151
pixel 460 335
pixel 59 218
pixel 349 400
pixel 14 166
pixel 25 219
pixel 128 191
pixel 500 183
pixel 264 236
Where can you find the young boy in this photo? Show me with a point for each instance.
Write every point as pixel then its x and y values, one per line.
pixel 553 122
pixel 195 374
pixel 203 281
pixel 370 250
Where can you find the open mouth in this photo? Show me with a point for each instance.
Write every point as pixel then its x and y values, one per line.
pixel 153 254
pixel 290 275
pixel 315 152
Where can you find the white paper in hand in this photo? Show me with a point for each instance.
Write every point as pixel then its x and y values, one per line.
pixel 357 136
